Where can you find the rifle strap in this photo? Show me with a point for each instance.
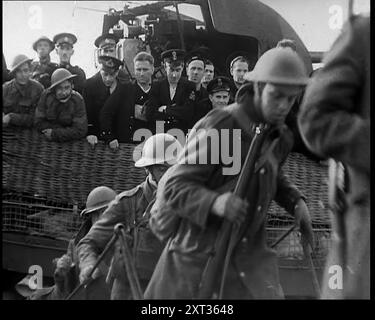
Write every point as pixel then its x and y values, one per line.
pixel 238 232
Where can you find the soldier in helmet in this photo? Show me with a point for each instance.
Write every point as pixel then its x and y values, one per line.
pixel 199 196
pixel 131 208
pixel 21 94
pixel 61 112
pixel 172 99
pixel 64 48
pixel 66 274
pixel 43 68
pixel 97 91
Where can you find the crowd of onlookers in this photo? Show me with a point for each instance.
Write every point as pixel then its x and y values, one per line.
pixel 58 100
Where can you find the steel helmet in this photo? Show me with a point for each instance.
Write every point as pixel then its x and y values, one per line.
pixel 19 60
pixel 46 39
pixel 279 66
pixel 59 76
pixel 158 149
pixel 98 198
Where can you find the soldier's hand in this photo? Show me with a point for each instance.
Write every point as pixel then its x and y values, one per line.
pixel 162 108
pixel 92 140
pixel 231 207
pixel 6 119
pixel 303 222
pixel 47 133
pixel 85 273
pixel 114 144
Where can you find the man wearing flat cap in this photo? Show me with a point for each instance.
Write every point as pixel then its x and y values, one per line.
pixel 61 112
pixel 43 68
pixel 218 97
pixel 97 91
pixel 64 48
pixel 21 94
pixel 172 99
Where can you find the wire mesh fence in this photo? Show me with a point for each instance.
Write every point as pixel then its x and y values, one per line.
pixel 33 215
pixel 46 185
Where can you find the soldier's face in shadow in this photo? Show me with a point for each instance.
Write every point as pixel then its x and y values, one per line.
pixel 63 90
pixel 157 171
pixel 65 52
pixel 174 72
pixel 23 74
pixel 43 49
pixel 108 77
pixel 275 100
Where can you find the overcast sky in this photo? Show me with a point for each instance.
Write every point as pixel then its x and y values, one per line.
pixel 317 22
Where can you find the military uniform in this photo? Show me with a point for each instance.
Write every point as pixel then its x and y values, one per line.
pixel 67 120
pixel 42 71
pixel 43 68
pixel 118 114
pixel 128 208
pixel 335 123
pixel 180 108
pixel 79 81
pixel 20 101
pixel 182 213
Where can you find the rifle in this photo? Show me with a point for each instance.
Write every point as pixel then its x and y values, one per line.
pixel 227 237
pixel 128 259
pixel 109 245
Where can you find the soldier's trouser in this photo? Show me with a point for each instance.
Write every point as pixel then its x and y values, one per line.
pixel 121 289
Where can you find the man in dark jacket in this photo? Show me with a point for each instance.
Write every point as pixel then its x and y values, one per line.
pixel 195 70
pixel 124 113
pixel 64 48
pixel 21 94
pixel 335 123
pixel 61 113
pixel 172 99
pixel 97 91
pixel 43 68
pixel 132 209
pixel 238 68
pixel 196 194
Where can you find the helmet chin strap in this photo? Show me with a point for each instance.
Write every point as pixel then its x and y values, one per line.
pixel 152 180
pixel 66 99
